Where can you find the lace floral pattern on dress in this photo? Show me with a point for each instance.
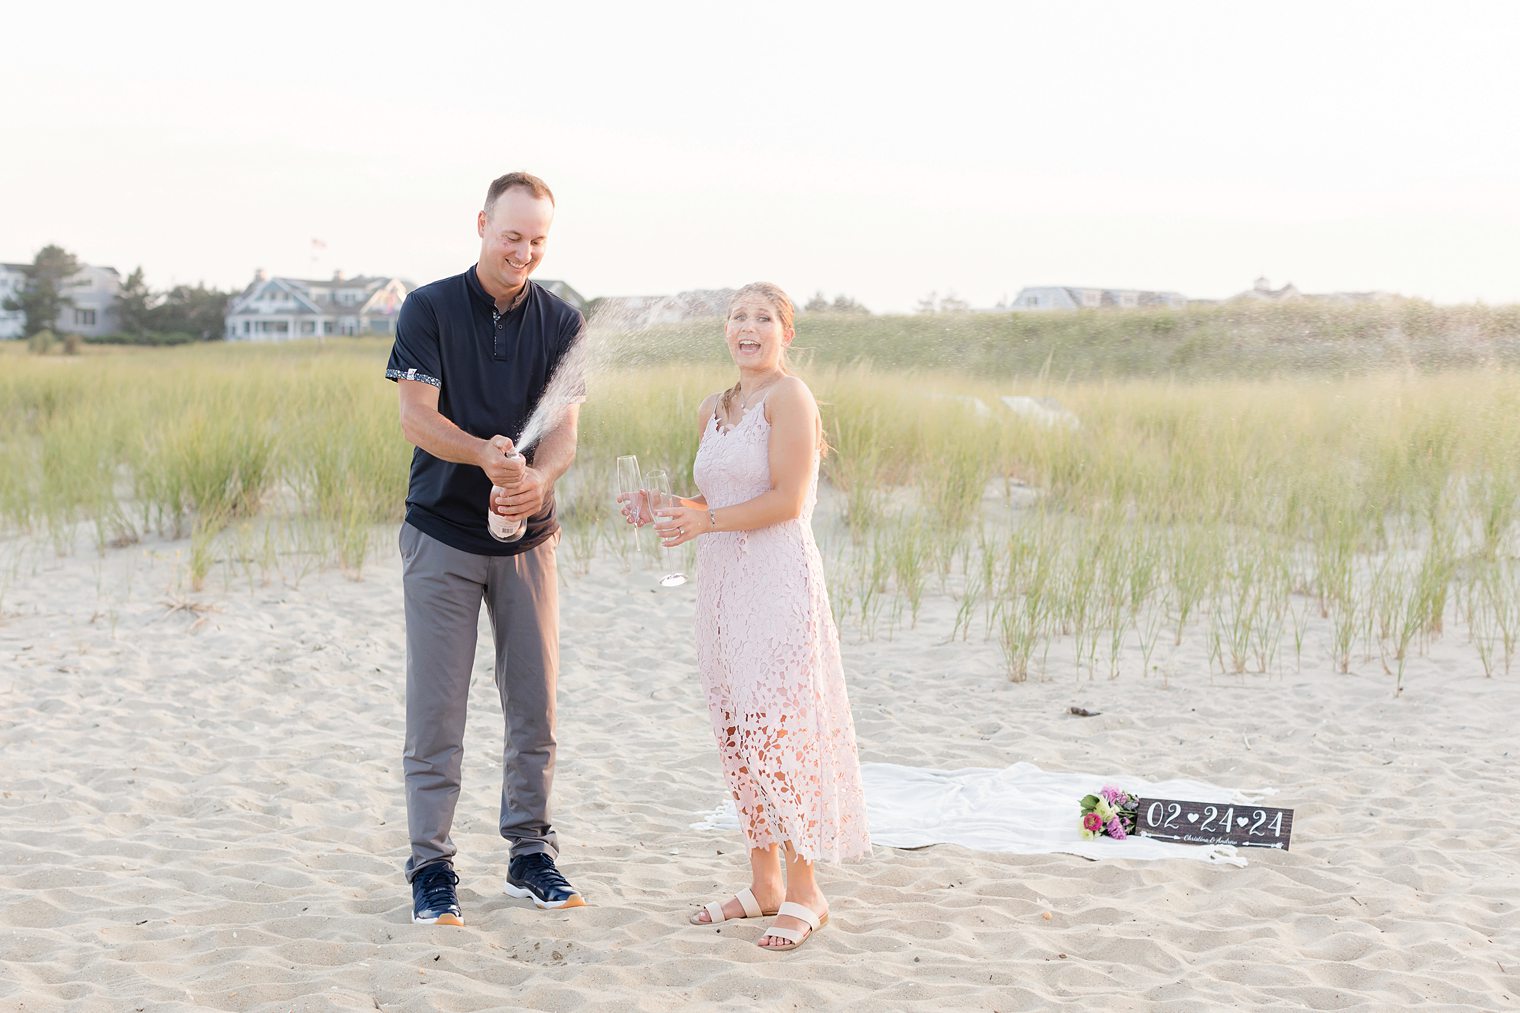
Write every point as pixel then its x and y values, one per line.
pixel 768 653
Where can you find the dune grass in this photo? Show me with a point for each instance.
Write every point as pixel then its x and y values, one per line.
pixel 1243 340
pixel 1229 509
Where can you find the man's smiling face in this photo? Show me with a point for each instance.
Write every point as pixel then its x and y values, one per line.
pixel 513 235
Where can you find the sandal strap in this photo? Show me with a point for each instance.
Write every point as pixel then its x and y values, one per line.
pixel 714 911
pixel 746 899
pixel 790 935
pixel 798 912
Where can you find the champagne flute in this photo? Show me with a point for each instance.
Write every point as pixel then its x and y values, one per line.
pixel 629 484
pixel 657 485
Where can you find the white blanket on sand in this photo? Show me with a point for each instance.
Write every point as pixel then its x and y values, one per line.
pixel 1020 809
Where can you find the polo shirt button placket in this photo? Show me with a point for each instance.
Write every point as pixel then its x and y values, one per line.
pixel 500 346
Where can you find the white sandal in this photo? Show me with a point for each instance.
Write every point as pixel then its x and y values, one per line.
pixel 714 909
pixel 794 937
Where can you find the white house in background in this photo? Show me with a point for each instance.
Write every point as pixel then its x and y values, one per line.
pixel 634 312
pixel 1263 291
pixel 92 292
pixel 12 279
pixel 1066 297
pixel 285 309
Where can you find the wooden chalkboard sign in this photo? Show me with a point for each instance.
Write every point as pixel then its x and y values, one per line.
pixel 1250 826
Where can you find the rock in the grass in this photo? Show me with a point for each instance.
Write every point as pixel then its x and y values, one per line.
pixel 1042 411
pixel 976 404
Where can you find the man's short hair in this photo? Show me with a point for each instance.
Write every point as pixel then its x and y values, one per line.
pixel 523 180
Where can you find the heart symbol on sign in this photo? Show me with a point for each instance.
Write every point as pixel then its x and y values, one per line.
pixel 1240 821
pixel 1192 817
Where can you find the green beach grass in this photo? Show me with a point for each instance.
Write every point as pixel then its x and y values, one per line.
pixel 1234 499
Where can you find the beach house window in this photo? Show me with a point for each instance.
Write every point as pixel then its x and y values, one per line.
pixel 84 318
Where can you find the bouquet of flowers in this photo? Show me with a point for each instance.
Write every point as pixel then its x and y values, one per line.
pixel 1110 812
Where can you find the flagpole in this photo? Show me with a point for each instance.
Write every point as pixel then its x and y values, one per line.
pixel 317 246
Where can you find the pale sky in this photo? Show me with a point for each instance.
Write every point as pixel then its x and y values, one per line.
pixel 882 151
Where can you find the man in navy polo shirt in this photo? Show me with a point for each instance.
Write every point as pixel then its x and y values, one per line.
pixel 472 357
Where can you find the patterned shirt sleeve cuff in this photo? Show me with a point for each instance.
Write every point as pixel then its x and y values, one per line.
pixel 413 374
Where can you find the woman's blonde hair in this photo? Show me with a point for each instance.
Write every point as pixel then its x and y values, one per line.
pixel 786 313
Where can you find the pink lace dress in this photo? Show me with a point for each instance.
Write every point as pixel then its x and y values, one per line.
pixel 768 653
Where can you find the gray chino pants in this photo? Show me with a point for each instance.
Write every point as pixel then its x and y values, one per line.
pixel 443 588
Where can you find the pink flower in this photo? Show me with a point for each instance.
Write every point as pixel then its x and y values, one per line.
pixel 1091 822
pixel 1116 829
pixel 1112 794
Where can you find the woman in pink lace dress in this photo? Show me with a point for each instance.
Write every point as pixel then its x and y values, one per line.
pixel 766 643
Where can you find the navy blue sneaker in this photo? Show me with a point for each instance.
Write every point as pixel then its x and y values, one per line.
pixel 433 899
pixel 535 877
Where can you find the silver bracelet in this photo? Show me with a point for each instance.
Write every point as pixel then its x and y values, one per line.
pixel 712 518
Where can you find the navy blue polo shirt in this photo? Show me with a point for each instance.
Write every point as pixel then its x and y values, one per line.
pixel 490 370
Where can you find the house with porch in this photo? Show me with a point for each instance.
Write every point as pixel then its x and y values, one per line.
pixel 286 309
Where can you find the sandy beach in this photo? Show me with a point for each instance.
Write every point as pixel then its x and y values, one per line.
pixel 201 808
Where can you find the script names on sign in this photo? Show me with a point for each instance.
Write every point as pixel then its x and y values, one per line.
pixel 1250 826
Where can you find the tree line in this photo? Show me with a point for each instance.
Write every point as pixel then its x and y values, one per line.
pixel 841 304
pixel 146 316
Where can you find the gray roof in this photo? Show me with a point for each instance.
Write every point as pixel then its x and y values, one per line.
pixel 358 281
pixel 299 289
pixel 563 290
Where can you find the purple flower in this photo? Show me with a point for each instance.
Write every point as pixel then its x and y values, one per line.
pixel 1111 794
pixel 1116 829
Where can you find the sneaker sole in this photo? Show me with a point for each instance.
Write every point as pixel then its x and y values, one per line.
pixel 523 893
pixel 440 920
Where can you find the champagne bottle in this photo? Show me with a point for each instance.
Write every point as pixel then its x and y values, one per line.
pixel 504 529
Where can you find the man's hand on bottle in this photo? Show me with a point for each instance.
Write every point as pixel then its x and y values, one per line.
pixel 524 499
pixel 501 462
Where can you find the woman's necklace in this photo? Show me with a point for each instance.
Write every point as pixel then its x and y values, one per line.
pixel 745 404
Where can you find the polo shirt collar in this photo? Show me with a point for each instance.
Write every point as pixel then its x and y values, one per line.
pixel 472 279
